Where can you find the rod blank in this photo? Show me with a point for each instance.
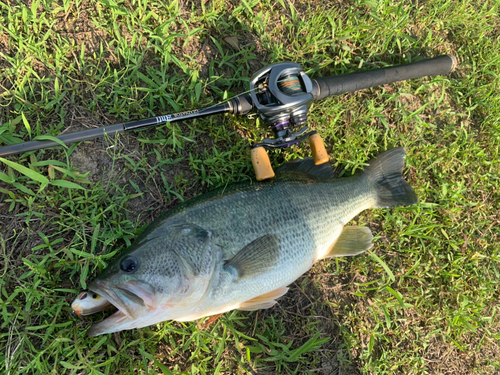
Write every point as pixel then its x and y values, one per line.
pixel 113 130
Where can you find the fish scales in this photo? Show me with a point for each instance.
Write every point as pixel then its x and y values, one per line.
pixel 307 223
pixel 241 245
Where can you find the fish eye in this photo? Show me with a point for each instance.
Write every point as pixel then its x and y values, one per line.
pixel 129 264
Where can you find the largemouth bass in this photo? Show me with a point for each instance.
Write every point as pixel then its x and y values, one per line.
pixel 240 246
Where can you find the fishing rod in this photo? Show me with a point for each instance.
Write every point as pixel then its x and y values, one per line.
pixel 281 94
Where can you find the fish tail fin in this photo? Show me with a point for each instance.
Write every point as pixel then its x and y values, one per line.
pixel 385 174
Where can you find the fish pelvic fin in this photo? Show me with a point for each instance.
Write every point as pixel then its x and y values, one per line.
pixel 264 301
pixel 352 241
pixel 385 174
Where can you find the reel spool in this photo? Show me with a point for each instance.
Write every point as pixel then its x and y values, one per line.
pixel 282 94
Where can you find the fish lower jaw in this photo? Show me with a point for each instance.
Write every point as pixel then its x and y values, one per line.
pixel 109 325
pixel 120 321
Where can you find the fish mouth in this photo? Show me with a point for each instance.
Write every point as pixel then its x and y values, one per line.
pixel 131 302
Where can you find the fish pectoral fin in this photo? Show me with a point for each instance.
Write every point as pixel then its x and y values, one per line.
pixel 264 301
pixel 256 258
pixel 352 241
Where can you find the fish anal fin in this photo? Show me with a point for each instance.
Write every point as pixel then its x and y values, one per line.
pixel 209 321
pixel 264 301
pixel 352 241
pixel 256 258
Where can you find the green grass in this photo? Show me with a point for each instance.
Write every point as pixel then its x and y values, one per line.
pixel 424 300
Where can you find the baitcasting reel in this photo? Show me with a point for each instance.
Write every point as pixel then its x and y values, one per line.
pixel 281 94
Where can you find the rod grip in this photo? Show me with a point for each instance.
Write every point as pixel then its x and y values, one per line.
pixel 337 85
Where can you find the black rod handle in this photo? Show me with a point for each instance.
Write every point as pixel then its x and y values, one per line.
pixel 336 85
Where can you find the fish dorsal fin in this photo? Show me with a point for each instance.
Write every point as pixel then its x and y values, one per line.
pixel 306 166
pixel 258 257
pixel 352 241
pixel 264 301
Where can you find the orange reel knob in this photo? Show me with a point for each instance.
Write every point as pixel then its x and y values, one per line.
pixel 261 164
pixel 318 150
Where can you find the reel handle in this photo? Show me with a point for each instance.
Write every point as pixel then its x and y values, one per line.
pixel 262 164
